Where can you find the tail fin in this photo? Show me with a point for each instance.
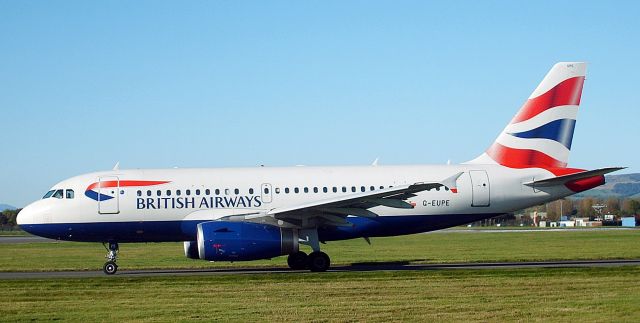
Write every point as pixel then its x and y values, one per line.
pixel 540 134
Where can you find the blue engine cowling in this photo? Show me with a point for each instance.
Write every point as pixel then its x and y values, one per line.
pixel 238 241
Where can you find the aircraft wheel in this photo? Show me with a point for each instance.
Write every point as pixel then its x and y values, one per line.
pixel 297 260
pixel 318 261
pixel 110 268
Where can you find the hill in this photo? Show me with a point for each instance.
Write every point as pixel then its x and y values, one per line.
pixel 624 185
pixel 6 207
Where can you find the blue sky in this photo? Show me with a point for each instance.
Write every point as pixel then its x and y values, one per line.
pixel 215 84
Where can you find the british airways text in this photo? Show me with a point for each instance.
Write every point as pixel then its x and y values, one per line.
pixel 205 202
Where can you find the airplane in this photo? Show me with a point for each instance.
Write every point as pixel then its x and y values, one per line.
pixel 243 214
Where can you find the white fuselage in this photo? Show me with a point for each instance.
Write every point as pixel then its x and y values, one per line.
pixel 154 212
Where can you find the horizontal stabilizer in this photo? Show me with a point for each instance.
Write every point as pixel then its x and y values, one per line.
pixel 561 180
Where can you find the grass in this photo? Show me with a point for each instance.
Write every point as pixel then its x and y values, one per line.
pixel 421 248
pixel 560 294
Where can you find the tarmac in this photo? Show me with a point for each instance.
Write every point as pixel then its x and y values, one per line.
pixel 364 267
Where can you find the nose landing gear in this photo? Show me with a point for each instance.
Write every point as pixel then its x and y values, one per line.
pixel 110 266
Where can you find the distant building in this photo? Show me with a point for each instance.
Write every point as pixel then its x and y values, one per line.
pixel 568 223
pixel 629 221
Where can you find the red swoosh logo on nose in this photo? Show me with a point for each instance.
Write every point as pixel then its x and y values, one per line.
pixel 125 183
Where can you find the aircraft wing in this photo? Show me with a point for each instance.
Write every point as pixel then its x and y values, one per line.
pixel 333 211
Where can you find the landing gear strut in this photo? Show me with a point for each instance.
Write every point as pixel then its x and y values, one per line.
pixel 110 266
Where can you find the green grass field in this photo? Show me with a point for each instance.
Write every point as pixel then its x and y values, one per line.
pixel 420 248
pixel 532 294
pixel 564 294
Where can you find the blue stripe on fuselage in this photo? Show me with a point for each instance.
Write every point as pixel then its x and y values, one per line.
pixel 167 231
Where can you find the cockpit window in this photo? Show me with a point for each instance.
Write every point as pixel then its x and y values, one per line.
pixel 48 195
pixel 58 194
pixel 69 194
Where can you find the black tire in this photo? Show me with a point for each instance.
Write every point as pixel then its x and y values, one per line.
pixel 110 268
pixel 318 261
pixel 297 260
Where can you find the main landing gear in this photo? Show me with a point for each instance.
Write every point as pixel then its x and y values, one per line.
pixel 316 261
pixel 110 266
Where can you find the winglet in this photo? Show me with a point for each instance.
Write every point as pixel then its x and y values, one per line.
pixel 450 182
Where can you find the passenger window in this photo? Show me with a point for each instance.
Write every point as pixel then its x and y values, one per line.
pixel 353 189
pixel 159 192
pixel 148 192
pixel 48 195
pixel 286 190
pixel 335 189
pixel 324 189
pixel 226 191
pixel 277 190
pixel 251 191
pixel 218 191
pixel 315 190
pixel 344 189
pixel 197 192
pixel 237 191
pixel 207 192
pixel 306 190
pixel 296 190
pixel 70 194
pixel 168 192
pixel 381 187
pixel 58 194
pixel 372 188
pixel 266 190
pixel 178 192
pixel 139 193
pixel 188 192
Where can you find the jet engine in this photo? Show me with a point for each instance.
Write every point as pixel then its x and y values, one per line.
pixel 238 241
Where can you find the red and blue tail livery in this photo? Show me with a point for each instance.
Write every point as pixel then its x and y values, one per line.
pixel 540 134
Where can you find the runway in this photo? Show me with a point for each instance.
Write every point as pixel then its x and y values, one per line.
pixel 362 267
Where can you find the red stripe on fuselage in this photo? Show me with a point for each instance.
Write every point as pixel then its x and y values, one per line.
pixel 124 183
pixel 567 92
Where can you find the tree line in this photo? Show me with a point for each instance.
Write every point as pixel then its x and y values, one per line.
pixel 8 218
pixel 584 208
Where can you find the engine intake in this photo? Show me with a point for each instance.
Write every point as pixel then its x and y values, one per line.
pixel 239 241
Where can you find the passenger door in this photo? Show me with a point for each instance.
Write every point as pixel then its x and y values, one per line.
pixel 480 188
pixel 109 195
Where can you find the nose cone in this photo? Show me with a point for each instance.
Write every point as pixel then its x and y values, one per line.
pixel 25 216
pixel 32 216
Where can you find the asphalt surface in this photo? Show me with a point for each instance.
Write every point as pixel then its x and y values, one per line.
pixel 23 239
pixel 364 267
